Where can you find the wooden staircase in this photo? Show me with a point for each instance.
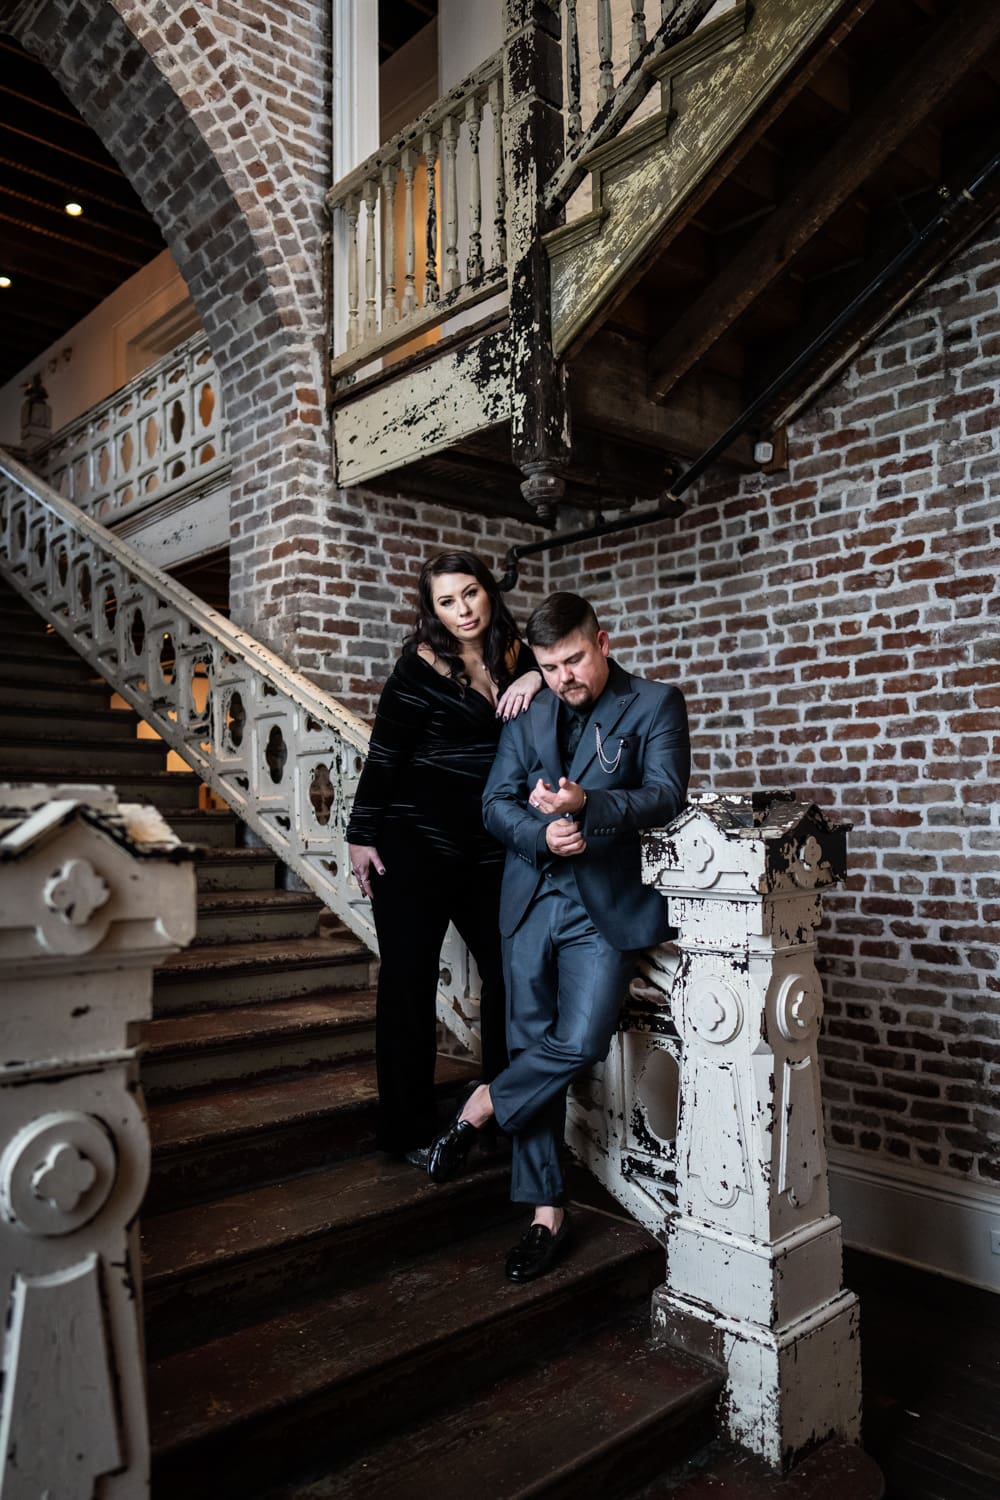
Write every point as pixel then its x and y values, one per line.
pixel 321 1321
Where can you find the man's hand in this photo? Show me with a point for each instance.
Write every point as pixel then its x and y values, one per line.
pixel 564 838
pixel 569 798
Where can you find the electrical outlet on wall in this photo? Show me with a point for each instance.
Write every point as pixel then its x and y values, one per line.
pixel 995 1240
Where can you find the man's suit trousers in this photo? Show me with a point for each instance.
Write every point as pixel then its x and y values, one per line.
pixel 564 985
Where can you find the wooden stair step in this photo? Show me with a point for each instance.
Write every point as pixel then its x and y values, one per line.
pixel 197 1048
pixel 341 1369
pixel 231 1255
pixel 28 633
pixel 160 788
pixel 51 697
pixel 835 1471
pixel 85 753
pixel 25 724
pixel 236 869
pixel 214 1116
pixel 237 973
pixel 59 666
pixel 234 1136
pixel 245 916
pixel 169 1036
pixel 211 828
pixel 597 1417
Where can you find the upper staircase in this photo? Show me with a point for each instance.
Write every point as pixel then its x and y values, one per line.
pixel 322 1322
pixel 688 243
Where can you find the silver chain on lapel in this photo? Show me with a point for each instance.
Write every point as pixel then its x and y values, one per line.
pixel 607 766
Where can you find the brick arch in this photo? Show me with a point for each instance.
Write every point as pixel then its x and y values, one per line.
pixel 235 183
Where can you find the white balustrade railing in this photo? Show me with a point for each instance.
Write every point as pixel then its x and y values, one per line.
pixel 420 226
pixel 610 48
pixel 162 432
pixel 284 755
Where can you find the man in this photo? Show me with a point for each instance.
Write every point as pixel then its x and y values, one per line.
pixel 595 760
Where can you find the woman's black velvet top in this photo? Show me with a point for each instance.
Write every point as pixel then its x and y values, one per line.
pixel 431 750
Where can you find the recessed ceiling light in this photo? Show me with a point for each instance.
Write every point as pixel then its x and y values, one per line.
pixel 4 281
pixel 74 210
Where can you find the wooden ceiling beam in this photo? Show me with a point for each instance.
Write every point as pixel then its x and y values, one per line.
pixel 32 255
pixel 88 229
pixel 84 243
pixel 30 177
pixel 971 30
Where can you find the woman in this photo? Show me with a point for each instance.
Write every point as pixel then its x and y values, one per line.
pixel 417 843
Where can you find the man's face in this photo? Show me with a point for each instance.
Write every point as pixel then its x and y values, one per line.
pixel 576 668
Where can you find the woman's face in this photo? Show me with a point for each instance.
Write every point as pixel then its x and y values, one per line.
pixel 462 605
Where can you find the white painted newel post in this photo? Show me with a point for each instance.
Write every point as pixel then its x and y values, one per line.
pixel 753 1253
pixel 92 897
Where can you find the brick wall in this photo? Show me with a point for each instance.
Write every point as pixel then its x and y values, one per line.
pixel 842 639
pixel 368 562
pixel 219 115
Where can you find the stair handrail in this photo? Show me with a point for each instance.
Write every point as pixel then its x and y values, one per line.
pixel 618 104
pixel 282 753
pixel 162 432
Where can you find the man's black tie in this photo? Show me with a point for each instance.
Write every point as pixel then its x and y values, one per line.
pixel 573 727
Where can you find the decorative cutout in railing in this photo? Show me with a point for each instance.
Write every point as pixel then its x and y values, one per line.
pixel 162 432
pixel 283 754
pixel 431 198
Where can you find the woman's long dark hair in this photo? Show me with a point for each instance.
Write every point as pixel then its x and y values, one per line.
pixel 500 636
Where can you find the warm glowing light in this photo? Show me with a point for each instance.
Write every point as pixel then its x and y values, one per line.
pixel 4 281
pixel 74 210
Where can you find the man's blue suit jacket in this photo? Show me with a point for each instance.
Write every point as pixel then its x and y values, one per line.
pixel 647 722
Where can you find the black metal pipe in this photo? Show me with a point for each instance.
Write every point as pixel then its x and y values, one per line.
pixel 672 505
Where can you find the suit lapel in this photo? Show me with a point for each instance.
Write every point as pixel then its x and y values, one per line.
pixel 617 696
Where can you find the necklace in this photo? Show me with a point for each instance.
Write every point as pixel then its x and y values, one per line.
pixel 607 766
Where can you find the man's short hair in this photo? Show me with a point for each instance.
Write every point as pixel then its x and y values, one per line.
pixel 559 616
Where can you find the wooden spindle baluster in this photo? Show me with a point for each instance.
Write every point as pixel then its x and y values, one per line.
pixel 353 209
pixel 638 29
pixel 371 299
pixel 432 289
pixel 474 262
pixel 605 46
pixel 449 189
pixel 409 164
pixel 574 119
pixel 499 185
pixel 390 312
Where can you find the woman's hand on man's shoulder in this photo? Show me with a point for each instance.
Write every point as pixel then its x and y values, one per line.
pixel 518 697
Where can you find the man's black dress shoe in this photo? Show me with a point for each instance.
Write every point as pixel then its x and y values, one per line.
pixel 537 1251
pixel 449 1152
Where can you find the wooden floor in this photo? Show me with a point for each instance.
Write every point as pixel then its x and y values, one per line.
pixel 930 1351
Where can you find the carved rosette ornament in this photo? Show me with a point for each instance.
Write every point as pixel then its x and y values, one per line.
pixel 713 1009
pixel 57 1173
pixel 753 1253
pixel 91 897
